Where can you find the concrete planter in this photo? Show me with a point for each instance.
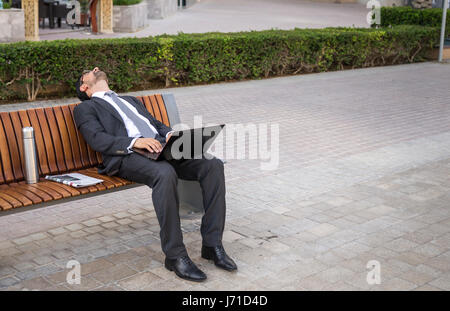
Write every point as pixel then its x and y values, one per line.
pixel 12 25
pixel 434 54
pixel 130 18
pixel 159 9
pixel 386 2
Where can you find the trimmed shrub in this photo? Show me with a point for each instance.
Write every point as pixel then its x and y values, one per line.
pixel 50 68
pixel 391 16
pixel 126 2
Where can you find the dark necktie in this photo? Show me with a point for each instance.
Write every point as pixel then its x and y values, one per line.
pixel 141 125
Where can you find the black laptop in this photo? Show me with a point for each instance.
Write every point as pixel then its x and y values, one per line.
pixel 195 146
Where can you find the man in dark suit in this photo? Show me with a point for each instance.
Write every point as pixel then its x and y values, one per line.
pixel 112 125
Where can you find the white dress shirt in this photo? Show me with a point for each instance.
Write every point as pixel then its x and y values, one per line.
pixel 132 130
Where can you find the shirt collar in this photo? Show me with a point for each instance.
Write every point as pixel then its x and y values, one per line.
pixel 100 94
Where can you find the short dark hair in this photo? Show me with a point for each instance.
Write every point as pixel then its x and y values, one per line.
pixel 81 95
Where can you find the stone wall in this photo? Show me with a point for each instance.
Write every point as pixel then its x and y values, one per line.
pixel 422 4
pixel 12 25
pixel 130 18
pixel 158 9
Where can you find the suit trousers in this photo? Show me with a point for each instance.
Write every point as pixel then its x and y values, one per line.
pixel 162 177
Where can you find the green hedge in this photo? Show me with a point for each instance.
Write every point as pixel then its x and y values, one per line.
pixel 391 16
pixel 50 68
pixel 126 2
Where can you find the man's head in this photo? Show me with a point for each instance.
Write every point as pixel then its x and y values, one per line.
pixel 90 82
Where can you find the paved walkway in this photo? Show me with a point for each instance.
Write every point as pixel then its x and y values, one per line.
pixel 364 174
pixel 240 15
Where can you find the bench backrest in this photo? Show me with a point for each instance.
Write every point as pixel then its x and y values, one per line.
pixel 60 146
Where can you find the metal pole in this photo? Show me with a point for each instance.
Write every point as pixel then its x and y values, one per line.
pixel 444 19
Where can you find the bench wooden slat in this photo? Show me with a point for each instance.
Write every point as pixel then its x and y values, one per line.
pixel 10 199
pixel 12 146
pixel 44 146
pixel 99 157
pixel 148 105
pixel 30 195
pixel 72 133
pixel 5 205
pixel 41 186
pixel 2 178
pixel 5 157
pixel 81 143
pixel 163 111
pixel 54 138
pixel 15 194
pixel 24 118
pixel 73 191
pixel 101 186
pixel 35 190
pixel 82 190
pixel 91 188
pixel 63 190
pixel 92 156
pixel 15 119
pixel 106 181
pixel 155 107
pixel 117 181
pixel 65 140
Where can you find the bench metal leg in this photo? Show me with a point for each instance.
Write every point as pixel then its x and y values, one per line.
pixel 189 192
pixel 191 198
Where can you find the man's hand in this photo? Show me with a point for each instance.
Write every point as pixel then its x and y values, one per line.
pixel 150 144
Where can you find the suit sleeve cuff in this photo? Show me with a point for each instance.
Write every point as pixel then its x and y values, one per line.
pixel 170 132
pixel 131 145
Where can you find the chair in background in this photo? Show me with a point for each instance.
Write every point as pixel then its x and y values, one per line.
pixel 60 11
pixel 43 12
pixel 17 4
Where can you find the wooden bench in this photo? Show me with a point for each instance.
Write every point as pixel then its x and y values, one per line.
pixel 62 149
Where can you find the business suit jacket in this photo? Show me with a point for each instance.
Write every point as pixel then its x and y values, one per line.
pixel 103 129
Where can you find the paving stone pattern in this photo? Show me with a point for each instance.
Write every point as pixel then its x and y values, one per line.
pixel 364 174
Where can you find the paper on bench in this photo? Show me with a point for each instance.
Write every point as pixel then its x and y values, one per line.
pixel 74 179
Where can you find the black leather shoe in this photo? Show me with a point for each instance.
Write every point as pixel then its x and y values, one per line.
pixel 221 259
pixel 185 269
